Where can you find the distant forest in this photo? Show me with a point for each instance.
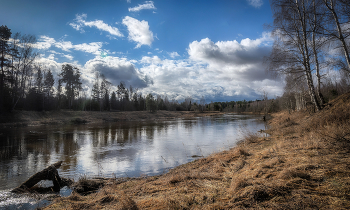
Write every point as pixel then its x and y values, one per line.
pixel 28 85
pixel 310 51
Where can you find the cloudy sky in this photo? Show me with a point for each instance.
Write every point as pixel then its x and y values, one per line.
pixel 177 48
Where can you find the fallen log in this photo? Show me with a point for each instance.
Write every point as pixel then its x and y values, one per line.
pixel 49 173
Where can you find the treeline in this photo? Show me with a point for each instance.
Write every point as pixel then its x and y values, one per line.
pixel 257 107
pixel 28 85
pixel 130 99
pixel 311 50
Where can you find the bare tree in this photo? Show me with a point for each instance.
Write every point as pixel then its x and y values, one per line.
pixel 339 15
pixel 291 53
pixel 316 20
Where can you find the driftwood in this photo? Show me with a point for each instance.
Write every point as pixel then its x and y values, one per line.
pixel 49 173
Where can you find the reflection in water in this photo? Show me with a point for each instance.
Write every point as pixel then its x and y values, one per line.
pixel 115 149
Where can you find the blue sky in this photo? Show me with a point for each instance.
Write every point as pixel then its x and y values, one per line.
pixel 176 48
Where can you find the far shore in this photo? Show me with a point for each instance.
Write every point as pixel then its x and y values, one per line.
pixel 33 118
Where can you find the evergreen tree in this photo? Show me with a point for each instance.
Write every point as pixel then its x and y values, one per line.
pixel 151 105
pixel 114 100
pixel 48 84
pixel 5 34
pixel 71 76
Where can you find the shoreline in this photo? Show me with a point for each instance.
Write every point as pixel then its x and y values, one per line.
pixel 303 164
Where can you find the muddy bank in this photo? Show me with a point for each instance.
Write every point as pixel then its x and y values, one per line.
pixel 303 164
pixel 31 118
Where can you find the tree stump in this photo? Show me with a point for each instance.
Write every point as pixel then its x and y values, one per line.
pixel 49 173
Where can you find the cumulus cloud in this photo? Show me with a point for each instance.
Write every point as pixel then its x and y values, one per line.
pixel 68 57
pixel 80 22
pixel 224 52
pixel 44 42
pixel 256 3
pixel 50 63
pixel 219 71
pixel 173 54
pixel 116 70
pixel 138 31
pixel 146 5
pixel 150 60
pixel 232 59
pixel 63 45
pixel 225 70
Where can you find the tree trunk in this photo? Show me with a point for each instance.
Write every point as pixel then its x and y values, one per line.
pixel 312 91
pixel 340 33
pixel 306 56
pixel 316 57
pixel 49 173
pixel 320 96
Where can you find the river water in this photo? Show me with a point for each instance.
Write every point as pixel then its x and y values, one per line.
pixel 120 149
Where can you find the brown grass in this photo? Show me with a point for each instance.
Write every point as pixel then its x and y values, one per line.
pixel 303 164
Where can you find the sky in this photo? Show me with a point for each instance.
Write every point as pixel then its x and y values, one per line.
pixel 175 48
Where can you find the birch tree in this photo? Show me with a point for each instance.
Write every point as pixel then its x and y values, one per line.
pixel 291 51
pixel 337 26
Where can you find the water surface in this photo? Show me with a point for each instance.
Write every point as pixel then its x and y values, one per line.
pixel 121 149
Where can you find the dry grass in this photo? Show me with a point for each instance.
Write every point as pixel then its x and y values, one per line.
pixel 303 164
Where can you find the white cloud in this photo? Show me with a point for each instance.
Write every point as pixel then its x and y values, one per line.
pixel 138 31
pixel 230 52
pixel 66 46
pixel 222 70
pixel 225 70
pixel 173 54
pixel 79 23
pixel 50 63
pixel 256 3
pixel 51 57
pixel 146 5
pixel 150 60
pixel 116 70
pixel 93 47
pixel 46 42
pixel 68 57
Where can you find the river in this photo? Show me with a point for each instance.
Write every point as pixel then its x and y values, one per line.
pixel 120 149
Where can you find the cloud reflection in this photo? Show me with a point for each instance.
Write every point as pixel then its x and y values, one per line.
pixel 115 149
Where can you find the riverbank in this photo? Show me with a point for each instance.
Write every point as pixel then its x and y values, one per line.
pixel 32 118
pixel 303 164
